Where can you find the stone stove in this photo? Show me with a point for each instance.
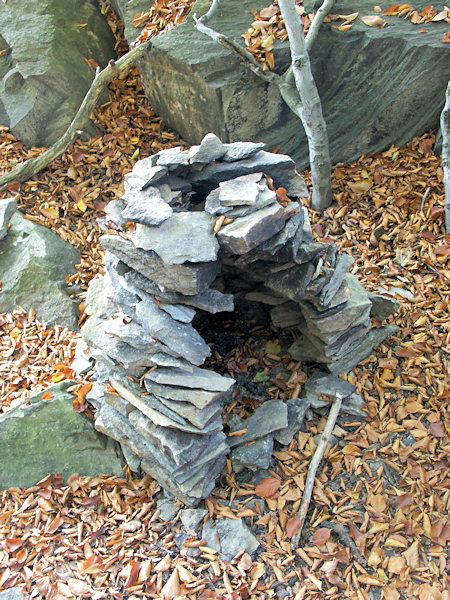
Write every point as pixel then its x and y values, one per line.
pixel 193 229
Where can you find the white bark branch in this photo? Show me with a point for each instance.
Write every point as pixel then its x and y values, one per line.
pixel 445 155
pixel 102 78
pixel 245 56
pixel 211 12
pixel 317 22
pixel 318 454
pixel 310 111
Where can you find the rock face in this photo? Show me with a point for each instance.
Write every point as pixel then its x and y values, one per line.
pixel 151 392
pixel 44 74
pixel 34 262
pixel 47 436
pixel 378 86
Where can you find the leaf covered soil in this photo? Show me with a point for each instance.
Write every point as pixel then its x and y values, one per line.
pixel 377 525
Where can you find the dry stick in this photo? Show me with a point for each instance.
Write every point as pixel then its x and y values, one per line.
pixel 445 155
pixel 102 78
pixel 318 454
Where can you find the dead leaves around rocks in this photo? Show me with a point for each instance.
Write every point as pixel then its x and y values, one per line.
pixel 378 523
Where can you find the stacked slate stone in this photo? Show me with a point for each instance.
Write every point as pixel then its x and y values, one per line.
pixel 192 229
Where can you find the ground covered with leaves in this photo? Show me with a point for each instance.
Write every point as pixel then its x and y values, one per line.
pixel 377 526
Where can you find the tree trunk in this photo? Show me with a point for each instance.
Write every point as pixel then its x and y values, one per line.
pixel 445 155
pixel 308 108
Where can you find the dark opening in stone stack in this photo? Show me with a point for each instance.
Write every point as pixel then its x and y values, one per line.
pixel 192 229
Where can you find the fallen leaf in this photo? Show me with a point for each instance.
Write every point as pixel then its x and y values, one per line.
pixel 292 526
pixel 373 20
pixel 172 587
pixel 321 536
pixel 268 487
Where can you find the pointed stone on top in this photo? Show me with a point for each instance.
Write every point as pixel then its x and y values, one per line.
pixel 241 150
pixel 210 148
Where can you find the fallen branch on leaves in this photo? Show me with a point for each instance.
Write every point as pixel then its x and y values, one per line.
pixel 445 128
pixel 101 80
pixel 318 454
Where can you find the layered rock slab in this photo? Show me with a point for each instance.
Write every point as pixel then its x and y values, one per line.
pixel 390 85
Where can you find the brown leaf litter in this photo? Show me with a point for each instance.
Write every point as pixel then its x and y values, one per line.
pixel 378 527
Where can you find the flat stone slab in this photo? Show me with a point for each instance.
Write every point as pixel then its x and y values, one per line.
pixel 210 300
pixel 291 282
pixel 297 408
pixel 179 312
pixel 192 517
pixel 245 233
pixel 150 213
pixel 185 236
pixel 210 148
pixel 8 207
pixel 229 536
pixel 34 262
pixel 239 191
pixel 197 378
pixel 278 166
pixel 14 593
pixel 189 279
pixel 241 150
pixel 27 454
pixel 271 416
pixel 182 338
pixel 383 306
pixel 254 456
pixel 199 398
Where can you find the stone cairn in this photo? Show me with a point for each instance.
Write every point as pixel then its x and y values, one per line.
pixel 192 229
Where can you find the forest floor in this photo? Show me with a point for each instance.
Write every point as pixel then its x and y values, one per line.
pixel 378 522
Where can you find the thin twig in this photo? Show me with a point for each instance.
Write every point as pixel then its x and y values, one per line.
pixel 211 12
pixel 102 78
pixel 231 45
pixel 317 22
pixel 318 454
pixel 425 196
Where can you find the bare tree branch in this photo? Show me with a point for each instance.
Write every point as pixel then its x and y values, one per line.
pixel 102 78
pixel 310 111
pixel 211 12
pixel 318 454
pixel 245 56
pixel 445 155
pixel 317 22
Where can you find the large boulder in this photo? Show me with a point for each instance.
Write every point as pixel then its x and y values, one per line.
pixel 378 86
pixel 34 263
pixel 40 437
pixel 44 73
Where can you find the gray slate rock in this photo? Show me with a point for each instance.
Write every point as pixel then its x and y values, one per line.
pixel 168 509
pixel 181 338
pixel 199 398
pixel 150 213
pixel 173 158
pixel 189 279
pixel 28 452
pixel 287 315
pixel 186 236
pixel 210 148
pixel 221 95
pixel 278 166
pixel 297 408
pixel 229 536
pixel 291 282
pixel 245 233
pixel 271 416
pixel 192 517
pixel 383 306
pixel 210 300
pixel 179 312
pixel 44 74
pixel 362 350
pixel 34 263
pixel 197 378
pixel 241 150
pixel 253 456
pixel 8 207
pixel 240 191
